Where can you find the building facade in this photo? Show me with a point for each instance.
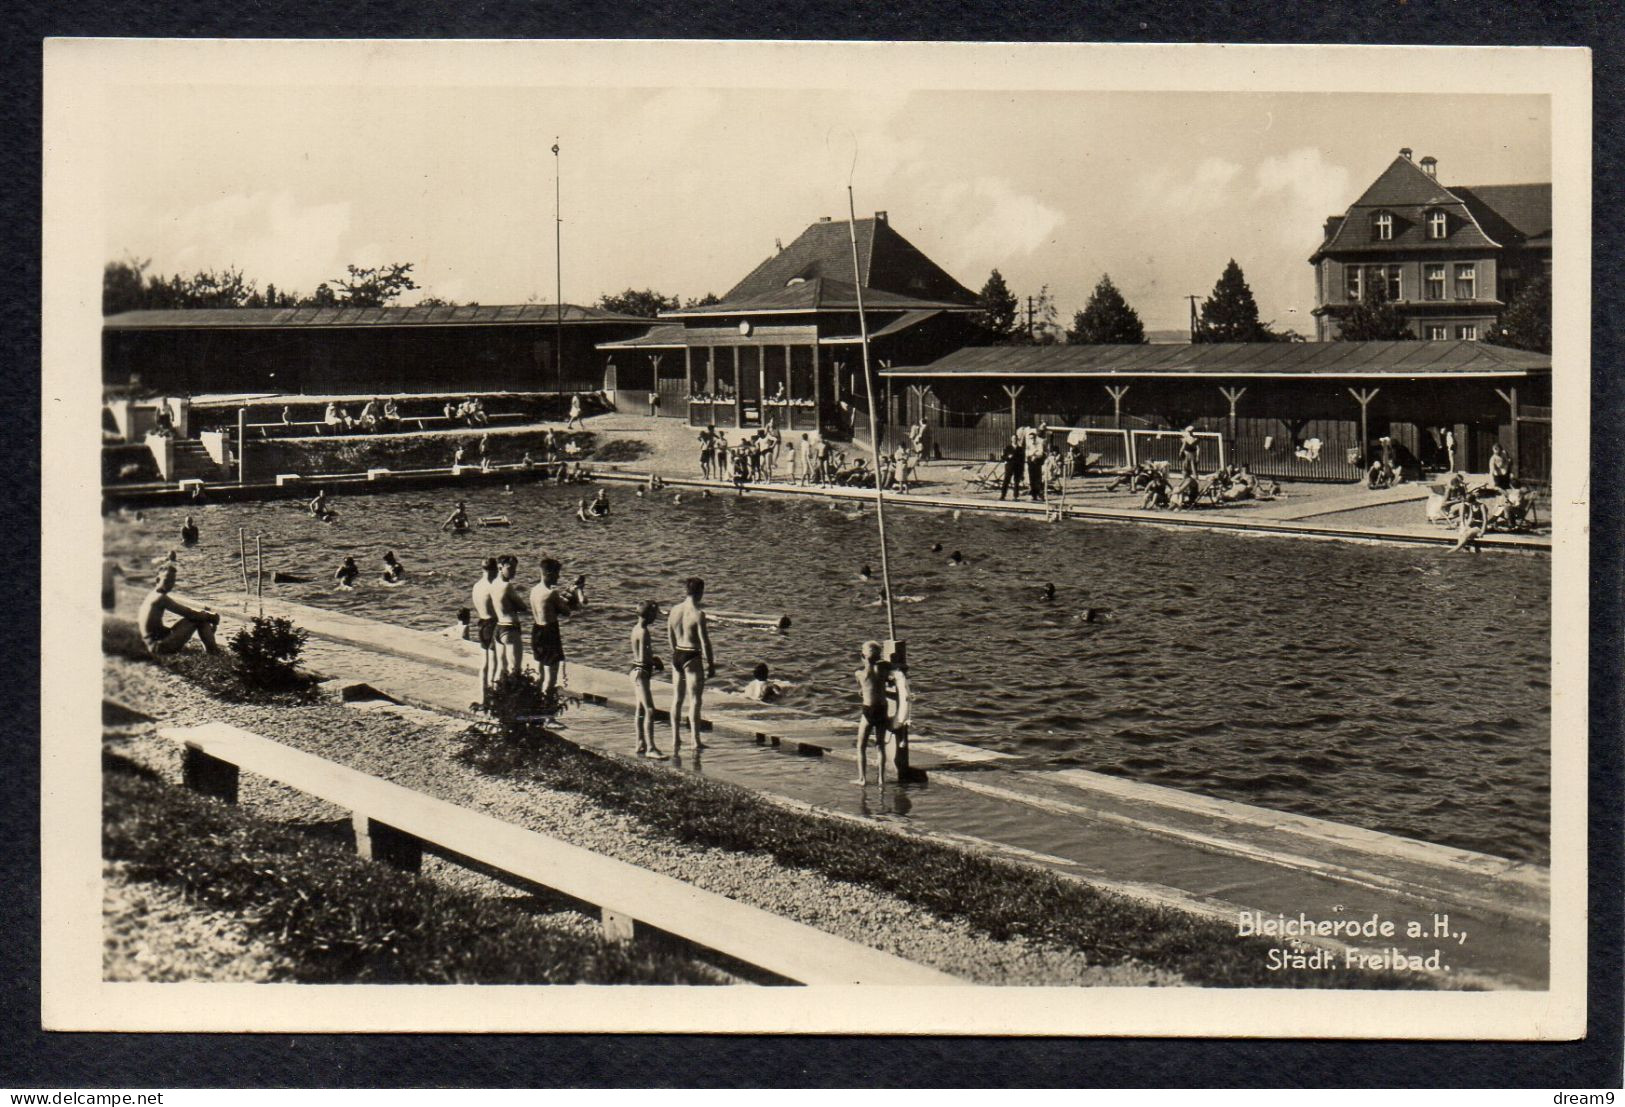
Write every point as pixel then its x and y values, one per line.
pixel 785 343
pixel 1451 258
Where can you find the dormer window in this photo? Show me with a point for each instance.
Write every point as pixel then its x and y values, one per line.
pixel 1382 226
pixel 793 281
pixel 1438 224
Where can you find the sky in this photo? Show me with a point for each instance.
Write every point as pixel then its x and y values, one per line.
pixel 686 189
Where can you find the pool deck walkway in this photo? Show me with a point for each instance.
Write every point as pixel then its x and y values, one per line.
pixel 1198 853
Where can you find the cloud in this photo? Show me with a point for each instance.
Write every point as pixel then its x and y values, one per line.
pixel 993 221
pixel 1301 189
pixel 1205 190
pixel 271 236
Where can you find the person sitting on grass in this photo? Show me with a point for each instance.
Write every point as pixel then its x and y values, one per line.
pixel 162 639
pixel 392 415
pixel 1188 494
pixel 1241 486
pixel 871 676
pixel 476 413
pixel 1141 476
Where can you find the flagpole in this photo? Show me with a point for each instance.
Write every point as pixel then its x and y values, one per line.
pixel 874 426
pixel 558 274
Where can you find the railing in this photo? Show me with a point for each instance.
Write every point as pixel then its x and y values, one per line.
pixel 394 824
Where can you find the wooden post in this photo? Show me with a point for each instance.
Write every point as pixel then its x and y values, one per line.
pixel 1233 395
pixel 209 775
pixel 242 559
pixel 1511 398
pixel 1117 394
pixel 1364 396
pixel 1013 391
pixel 377 841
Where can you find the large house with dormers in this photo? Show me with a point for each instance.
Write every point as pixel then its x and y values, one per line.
pixel 1451 258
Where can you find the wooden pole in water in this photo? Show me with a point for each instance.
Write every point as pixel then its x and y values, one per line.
pixel 874 428
pixel 242 560
pixel 259 572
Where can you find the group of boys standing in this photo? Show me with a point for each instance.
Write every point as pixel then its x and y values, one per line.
pixel 499 604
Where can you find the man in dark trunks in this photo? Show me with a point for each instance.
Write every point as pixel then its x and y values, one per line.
pixel 690 641
pixel 550 605
pixel 872 676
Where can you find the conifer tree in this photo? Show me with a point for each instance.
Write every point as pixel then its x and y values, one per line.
pixel 1230 314
pixel 997 319
pixel 1106 319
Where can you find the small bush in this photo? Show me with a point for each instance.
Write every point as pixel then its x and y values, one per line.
pixel 519 713
pixel 268 653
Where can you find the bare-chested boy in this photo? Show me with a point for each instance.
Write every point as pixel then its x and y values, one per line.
pixel 872 676
pixel 690 642
pixel 161 639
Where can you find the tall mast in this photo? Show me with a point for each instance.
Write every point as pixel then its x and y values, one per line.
pixel 874 426
pixel 558 275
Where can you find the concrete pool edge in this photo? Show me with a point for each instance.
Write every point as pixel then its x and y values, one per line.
pixel 611 473
pixel 1156 808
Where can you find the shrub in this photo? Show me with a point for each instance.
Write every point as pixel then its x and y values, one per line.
pixel 519 713
pixel 622 449
pixel 268 652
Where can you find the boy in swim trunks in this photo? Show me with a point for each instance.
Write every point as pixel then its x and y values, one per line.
pixel 644 664
pixel 161 639
pixel 872 676
pixel 509 601
pixel 485 614
pixel 690 641
pixel 549 605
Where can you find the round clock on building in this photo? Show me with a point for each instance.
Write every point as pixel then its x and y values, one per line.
pixel 744 327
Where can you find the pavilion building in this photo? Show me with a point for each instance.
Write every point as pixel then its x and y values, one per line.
pixel 785 342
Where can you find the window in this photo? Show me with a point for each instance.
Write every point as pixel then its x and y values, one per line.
pixel 1468 332
pixel 1351 274
pixel 1434 283
pixel 1387 276
pixel 1438 334
pixel 1438 224
pixel 1382 226
pixel 1466 281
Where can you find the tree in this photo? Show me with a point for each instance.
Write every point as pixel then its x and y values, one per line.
pixel 996 322
pixel 1042 328
pixel 322 297
pixel 123 286
pixel 375 287
pixel 703 301
pixel 1527 324
pixel 1106 319
pixel 645 302
pixel 1230 314
pixel 1374 319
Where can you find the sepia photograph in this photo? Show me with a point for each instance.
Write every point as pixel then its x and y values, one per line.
pixel 848 538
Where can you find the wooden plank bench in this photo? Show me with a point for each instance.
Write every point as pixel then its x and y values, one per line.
pixel 393 824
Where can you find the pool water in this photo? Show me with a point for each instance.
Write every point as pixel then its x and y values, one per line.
pixel 1394 688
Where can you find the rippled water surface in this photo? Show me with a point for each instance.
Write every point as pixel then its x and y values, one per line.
pixel 1393 688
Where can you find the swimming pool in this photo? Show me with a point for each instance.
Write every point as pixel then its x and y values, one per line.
pixel 1394 688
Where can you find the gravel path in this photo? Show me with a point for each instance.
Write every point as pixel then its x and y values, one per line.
pixel 414 748
pixel 151 933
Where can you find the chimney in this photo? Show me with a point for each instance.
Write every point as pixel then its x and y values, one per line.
pixel 823 219
pixel 880 217
pixel 1430 166
pixel 1405 152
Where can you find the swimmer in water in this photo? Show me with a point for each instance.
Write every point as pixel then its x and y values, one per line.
pixel 188 532
pixel 581 509
pixel 955 560
pixel 638 492
pixel 347 574
pixel 394 571
pixel 866 574
pixel 1049 590
pixel 936 547
pixel 318 507
pixel 600 504
pixel 705 493
pixel 457 521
